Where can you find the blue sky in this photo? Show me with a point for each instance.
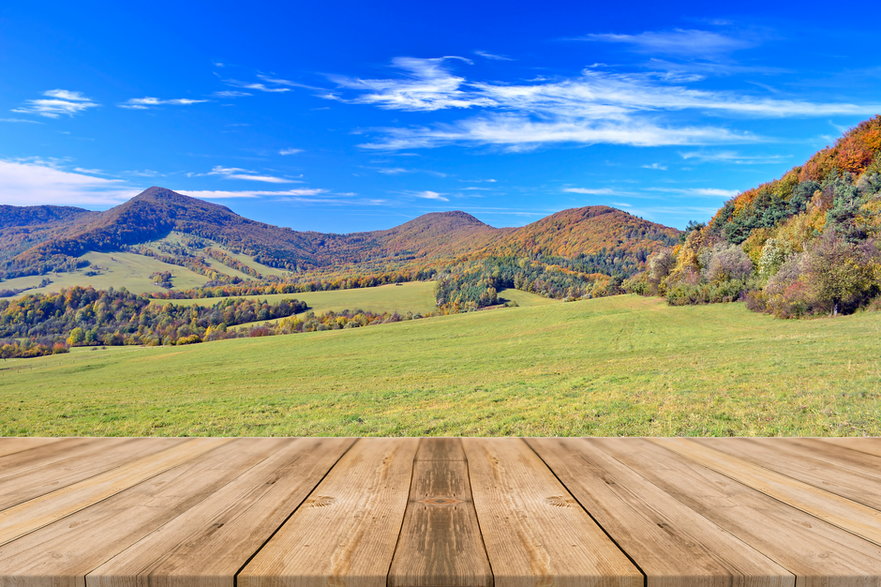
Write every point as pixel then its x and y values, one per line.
pixel 345 116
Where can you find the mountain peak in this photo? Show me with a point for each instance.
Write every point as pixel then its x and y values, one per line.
pixel 454 218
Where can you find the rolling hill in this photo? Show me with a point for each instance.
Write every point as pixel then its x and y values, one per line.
pixel 189 237
pixel 806 243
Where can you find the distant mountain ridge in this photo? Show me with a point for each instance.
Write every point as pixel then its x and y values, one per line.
pixel 66 233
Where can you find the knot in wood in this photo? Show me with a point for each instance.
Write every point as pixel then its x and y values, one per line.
pixel 439 500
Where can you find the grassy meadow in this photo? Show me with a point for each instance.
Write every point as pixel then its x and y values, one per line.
pixel 415 296
pixel 623 365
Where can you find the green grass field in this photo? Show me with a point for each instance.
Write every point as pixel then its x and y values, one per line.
pixel 614 366
pixel 415 296
pixel 128 270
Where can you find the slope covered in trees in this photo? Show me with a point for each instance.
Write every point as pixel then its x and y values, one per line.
pixel 807 243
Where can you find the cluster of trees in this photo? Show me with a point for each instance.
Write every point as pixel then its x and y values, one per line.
pixel 85 316
pixel 162 279
pixel 311 322
pixel 474 285
pixel 808 243
pixel 831 276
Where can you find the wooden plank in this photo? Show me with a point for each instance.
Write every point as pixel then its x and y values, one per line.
pixel 345 533
pixel 870 446
pixel 30 479
pixel 62 553
pixel 10 445
pixel 535 532
pixel 440 542
pixel 835 509
pixel 808 463
pixel 26 517
pixel 207 545
pixel 818 553
pixel 671 543
pixel 20 462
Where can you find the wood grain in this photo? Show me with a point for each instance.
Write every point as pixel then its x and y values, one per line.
pixel 206 545
pixel 833 508
pixel 535 532
pixel 346 531
pixel 870 446
pixel 26 517
pixel 440 542
pixel 671 543
pixel 9 445
pixel 818 553
pixel 60 554
pixel 278 512
pixel 809 463
pixel 44 473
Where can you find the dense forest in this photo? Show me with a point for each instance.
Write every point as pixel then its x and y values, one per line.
pixel 805 244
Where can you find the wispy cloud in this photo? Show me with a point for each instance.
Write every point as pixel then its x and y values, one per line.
pixel 678 42
pixel 289 151
pixel 404 170
pixel 20 120
pixel 33 183
pixel 56 103
pixel 150 102
pixel 656 166
pixel 430 195
pixel 227 194
pixel 595 107
pixel 591 191
pixel 699 192
pixel 243 175
pixel 232 94
pixel 426 85
pixel 520 133
pixel 733 157
pixel 256 86
pixel 492 56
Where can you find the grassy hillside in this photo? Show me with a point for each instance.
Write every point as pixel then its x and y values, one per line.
pixel 619 365
pixel 117 270
pixel 416 297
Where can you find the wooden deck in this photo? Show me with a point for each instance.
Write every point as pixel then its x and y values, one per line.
pixel 273 512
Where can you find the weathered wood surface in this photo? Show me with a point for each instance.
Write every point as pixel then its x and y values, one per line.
pixel 337 512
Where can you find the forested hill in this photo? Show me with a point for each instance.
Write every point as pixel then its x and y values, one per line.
pixel 437 238
pixel 806 243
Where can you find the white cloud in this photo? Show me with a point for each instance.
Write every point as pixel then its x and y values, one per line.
pixel 591 191
pixel 260 87
pixel 657 166
pixel 151 102
pixel 699 192
pixel 430 195
pixel 226 194
pixel 33 183
pixel 520 133
pixel 232 94
pixel 57 103
pixel 426 85
pixel 243 175
pixel 732 157
pixel 492 56
pixel 20 120
pixel 289 151
pixel 594 107
pixel 679 42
